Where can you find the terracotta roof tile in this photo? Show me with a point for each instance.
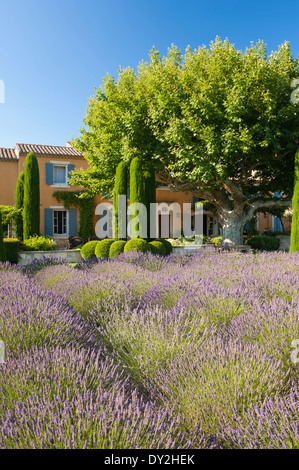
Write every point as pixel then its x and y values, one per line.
pixel 48 150
pixel 7 154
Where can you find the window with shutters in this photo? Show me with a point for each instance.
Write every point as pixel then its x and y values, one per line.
pixel 60 175
pixel 60 222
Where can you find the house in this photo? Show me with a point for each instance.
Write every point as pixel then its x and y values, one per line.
pixel 55 164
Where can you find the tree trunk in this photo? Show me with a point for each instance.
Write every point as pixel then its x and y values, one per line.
pixel 232 223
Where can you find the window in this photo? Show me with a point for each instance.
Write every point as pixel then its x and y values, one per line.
pixel 60 174
pixel 60 222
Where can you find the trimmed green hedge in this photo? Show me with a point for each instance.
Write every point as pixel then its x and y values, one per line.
pixel 2 247
pixel 264 243
pixel 157 247
pixel 137 244
pixel 117 248
pixel 103 247
pixel 12 246
pixel 88 250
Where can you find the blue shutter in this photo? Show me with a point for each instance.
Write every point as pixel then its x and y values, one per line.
pixel 277 225
pixel 49 173
pixel 49 222
pixel 70 168
pixel 72 222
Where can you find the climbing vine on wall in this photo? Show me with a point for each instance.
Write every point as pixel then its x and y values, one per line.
pixel 86 208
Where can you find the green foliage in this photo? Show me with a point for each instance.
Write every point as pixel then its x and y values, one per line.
pixel 120 188
pixel 11 216
pixel 2 247
pixel 88 250
pixel 19 203
pixel 117 248
pixel 216 240
pixel 31 211
pixel 167 244
pixel 295 219
pixel 103 247
pixel 136 244
pixel 41 243
pixel 264 243
pixel 85 203
pixel 157 247
pixel 137 193
pixel 12 246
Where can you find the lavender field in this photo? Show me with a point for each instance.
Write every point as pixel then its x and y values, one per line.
pixel 143 351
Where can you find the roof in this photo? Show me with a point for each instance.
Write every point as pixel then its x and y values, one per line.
pixel 7 154
pixel 47 150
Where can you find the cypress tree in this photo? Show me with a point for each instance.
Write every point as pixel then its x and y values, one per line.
pixel 31 211
pixel 136 190
pixel 149 191
pixel 295 220
pixel 2 247
pixel 19 202
pixel 120 188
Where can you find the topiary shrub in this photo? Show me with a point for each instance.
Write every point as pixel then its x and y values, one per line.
pixel 12 246
pixel 31 211
pixel 19 203
pixel 264 243
pixel 88 250
pixel 117 248
pixel 167 245
pixel 136 244
pixel 103 248
pixel 120 189
pixel 158 247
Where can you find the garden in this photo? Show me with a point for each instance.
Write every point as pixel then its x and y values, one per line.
pixel 150 351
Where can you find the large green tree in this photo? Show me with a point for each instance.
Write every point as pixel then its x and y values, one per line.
pixel 31 211
pixel 216 121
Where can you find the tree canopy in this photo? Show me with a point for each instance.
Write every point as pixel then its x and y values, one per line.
pixel 216 121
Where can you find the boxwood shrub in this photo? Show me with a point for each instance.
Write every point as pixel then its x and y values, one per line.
pixel 263 243
pixel 103 248
pixel 167 245
pixel 157 247
pixel 137 244
pixel 117 248
pixel 12 246
pixel 88 250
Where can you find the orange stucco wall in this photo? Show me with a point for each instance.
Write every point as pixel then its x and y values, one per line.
pixel 9 175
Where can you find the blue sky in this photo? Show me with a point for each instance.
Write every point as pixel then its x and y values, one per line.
pixel 54 53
